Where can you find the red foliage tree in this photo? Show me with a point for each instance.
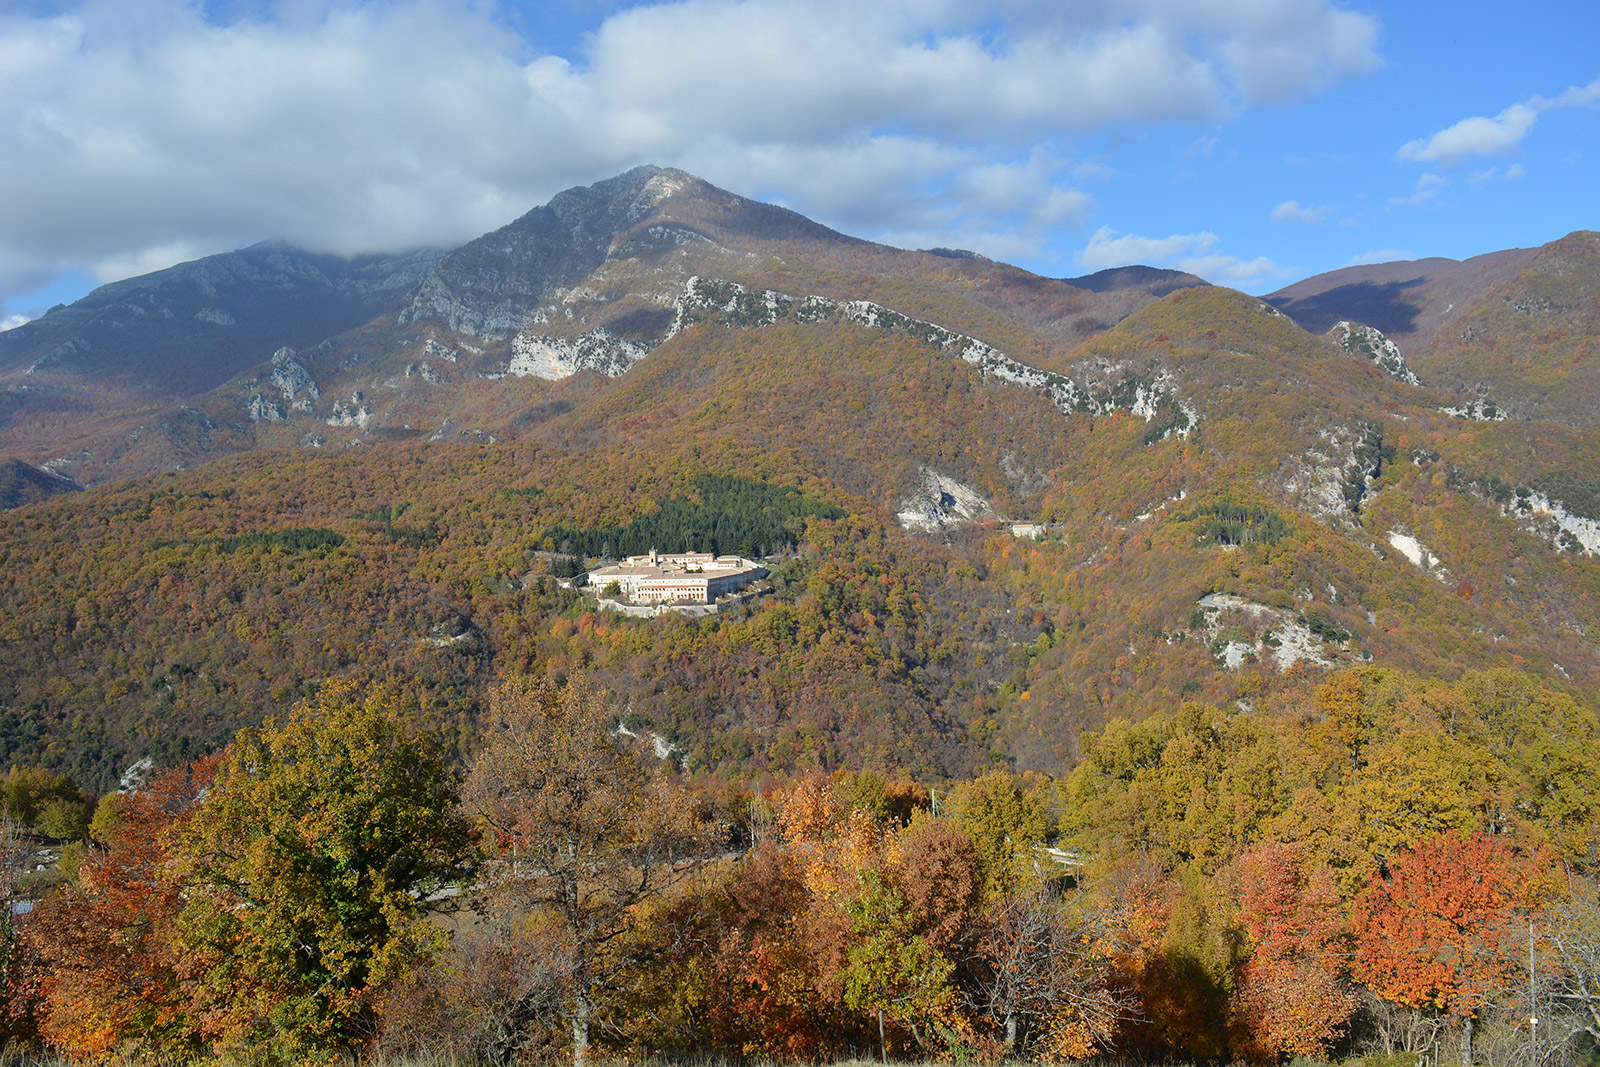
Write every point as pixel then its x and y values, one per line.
pixel 1289 1000
pixel 1442 928
pixel 767 967
pixel 107 970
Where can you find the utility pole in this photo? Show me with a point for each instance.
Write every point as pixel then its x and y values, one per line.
pixel 1533 1006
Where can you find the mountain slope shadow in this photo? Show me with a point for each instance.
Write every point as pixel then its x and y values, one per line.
pixel 1387 306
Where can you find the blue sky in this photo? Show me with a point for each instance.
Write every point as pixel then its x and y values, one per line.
pixel 1254 142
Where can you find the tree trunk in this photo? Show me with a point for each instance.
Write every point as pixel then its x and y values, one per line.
pixel 883 1048
pixel 1466 1041
pixel 580 1029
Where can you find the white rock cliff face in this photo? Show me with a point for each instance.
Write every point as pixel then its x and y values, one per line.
pixel 291 377
pixel 1115 387
pixel 1477 411
pixel 553 358
pixel 1370 343
pixel 940 501
pixel 260 409
pixel 493 287
pixel 1563 529
pixel 1285 640
pixel 1420 555
pixel 1314 480
pixel 350 413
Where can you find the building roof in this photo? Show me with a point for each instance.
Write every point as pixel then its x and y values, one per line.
pixel 703 565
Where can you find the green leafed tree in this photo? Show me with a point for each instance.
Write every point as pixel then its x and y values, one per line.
pixel 63 820
pixel 893 972
pixel 1005 815
pixel 312 868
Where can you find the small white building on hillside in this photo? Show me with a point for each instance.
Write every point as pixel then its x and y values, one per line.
pixel 685 577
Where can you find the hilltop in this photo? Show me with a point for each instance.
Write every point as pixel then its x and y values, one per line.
pixel 273 346
pixel 1515 328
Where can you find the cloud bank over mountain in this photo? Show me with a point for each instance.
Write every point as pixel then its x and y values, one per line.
pixel 141 134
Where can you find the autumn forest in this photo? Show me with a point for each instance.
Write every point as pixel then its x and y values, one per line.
pixel 1373 865
pixel 1136 675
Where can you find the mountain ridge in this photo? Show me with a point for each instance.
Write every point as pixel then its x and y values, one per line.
pixel 1407 299
pixel 587 281
pixel 1511 328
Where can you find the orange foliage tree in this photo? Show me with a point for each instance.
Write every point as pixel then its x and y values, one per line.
pixel 1442 928
pixel 109 975
pixel 849 932
pixel 1290 1000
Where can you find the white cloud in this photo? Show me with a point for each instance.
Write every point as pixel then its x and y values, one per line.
pixel 137 130
pixel 11 322
pixel 778 69
pixel 1473 137
pixel 910 192
pixel 1230 268
pixel 1426 189
pixel 1093 170
pixel 1501 135
pixel 139 261
pixel 1381 255
pixel 1277 50
pixel 1108 248
pixel 1574 96
pixel 1192 252
pixel 1291 211
pixel 1490 174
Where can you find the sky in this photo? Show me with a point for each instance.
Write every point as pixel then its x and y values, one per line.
pixel 1252 142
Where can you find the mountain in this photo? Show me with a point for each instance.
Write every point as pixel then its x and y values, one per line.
pixel 182 331
pixel 1153 280
pixel 22 484
pixel 144 346
pixel 1515 329
pixel 271 344
pixel 493 287
pixel 1410 300
pixel 999 510
pixel 1529 345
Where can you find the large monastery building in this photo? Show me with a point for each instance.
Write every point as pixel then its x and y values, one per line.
pixel 686 577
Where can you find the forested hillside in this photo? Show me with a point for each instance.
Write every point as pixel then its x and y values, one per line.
pixel 1225 500
pixel 1134 674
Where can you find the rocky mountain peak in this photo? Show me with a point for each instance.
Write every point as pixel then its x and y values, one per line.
pixel 491 287
pixel 494 286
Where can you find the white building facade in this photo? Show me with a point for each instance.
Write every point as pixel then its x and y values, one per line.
pixel 683 578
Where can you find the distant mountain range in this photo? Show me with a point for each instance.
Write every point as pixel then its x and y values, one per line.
pixel 84 388
pixel 299 466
